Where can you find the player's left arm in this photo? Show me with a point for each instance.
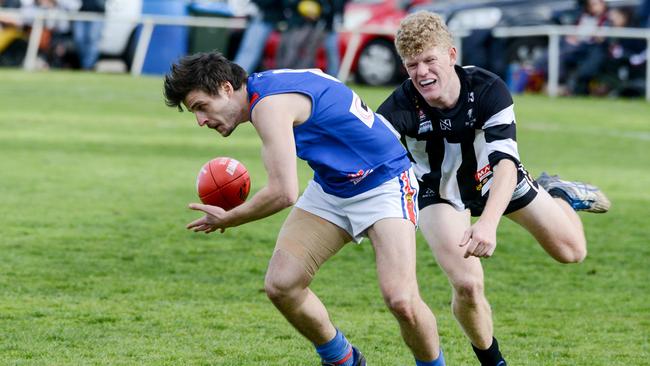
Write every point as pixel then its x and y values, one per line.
pixel 273 118
pixel 500 136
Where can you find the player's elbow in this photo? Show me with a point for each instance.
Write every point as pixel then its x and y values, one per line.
pixel 287 200
pixel 285 197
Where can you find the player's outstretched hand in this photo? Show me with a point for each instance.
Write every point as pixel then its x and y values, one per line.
pixel 213 220
pixel 480 239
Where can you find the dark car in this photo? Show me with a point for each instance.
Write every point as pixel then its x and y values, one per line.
pixel 480 17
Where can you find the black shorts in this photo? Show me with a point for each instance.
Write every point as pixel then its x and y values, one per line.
pixel 525 192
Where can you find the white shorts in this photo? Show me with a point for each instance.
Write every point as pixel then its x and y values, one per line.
pixel 396 198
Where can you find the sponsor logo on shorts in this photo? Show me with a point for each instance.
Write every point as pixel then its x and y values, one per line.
pixel 521 189
pixel 428 193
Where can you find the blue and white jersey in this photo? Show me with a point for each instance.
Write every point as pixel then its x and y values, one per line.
pixel 349 147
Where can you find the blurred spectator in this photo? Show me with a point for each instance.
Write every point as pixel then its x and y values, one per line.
pixel 581 56
pixel 644 14
pixel 304 34
pixel 623 48
pixel 619 75
pixel 333 16
pixel 56 46
pixel 266 17
pixel 87 34
pixel 13 42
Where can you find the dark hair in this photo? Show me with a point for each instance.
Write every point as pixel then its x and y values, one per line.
pixel 205 71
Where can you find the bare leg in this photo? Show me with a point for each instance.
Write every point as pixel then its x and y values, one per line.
pixel 555 226
pixel 394 244
pixel 443 228
pixel 288 278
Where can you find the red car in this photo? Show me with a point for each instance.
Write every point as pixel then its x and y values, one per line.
pixel 375 62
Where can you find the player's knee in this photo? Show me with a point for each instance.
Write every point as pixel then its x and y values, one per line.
pixel 469 290
pixel 402 306
pixel 278 289
pixel 573 251
pixel 574 254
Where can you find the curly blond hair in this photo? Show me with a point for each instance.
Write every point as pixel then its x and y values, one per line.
pixel 420 31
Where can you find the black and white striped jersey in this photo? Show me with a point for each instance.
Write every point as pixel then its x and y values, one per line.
pixel 454 150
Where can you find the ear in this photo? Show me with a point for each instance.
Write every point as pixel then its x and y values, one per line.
pixel 453 56
pixel 227 88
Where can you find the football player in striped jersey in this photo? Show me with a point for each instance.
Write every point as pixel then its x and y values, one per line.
pixel 458 125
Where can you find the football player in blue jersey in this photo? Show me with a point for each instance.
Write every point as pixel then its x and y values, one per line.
pixel 358 190
pixel 458 124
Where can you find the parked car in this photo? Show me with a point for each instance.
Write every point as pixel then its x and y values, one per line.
pixel 481 16
pixel 376 62
pixel 119 36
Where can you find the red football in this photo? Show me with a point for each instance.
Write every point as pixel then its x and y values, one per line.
pixel 223 182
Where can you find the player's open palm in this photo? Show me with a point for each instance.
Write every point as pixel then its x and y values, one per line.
pixel 480 240
pixel 213 220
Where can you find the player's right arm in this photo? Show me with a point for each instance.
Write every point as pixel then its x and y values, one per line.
pixel 273 117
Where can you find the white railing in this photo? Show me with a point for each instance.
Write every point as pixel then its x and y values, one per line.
pixel 38 20
pixel 555 32
pixel 148 22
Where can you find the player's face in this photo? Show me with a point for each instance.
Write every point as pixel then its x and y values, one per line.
pixel 431 72
pixel 218 112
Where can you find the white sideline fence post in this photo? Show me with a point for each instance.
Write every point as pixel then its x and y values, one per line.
pixel 553 64
pixel 142 47
pixel 35 35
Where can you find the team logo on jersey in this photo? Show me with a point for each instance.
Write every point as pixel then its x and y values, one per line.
pixel 361 110
pixel 470 97
pixel 358 176
pixel 483 173
pixel 470 118
pixel 445 124
pixel 425 126
pixel 482 176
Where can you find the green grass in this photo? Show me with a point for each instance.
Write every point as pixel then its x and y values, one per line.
pixel 97 269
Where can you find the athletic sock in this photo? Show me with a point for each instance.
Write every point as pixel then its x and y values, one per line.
pixel 491 356
pixel 558 193
pixel 440 361
pixel 337 351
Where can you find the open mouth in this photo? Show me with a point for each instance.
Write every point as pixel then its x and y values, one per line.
pixel 428 82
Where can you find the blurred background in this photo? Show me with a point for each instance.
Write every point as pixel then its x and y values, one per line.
pixel 349 39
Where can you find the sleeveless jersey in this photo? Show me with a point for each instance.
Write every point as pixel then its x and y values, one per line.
pixel 454 150
pixel 349 147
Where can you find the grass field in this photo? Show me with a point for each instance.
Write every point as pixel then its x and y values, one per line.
pixel 96 267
